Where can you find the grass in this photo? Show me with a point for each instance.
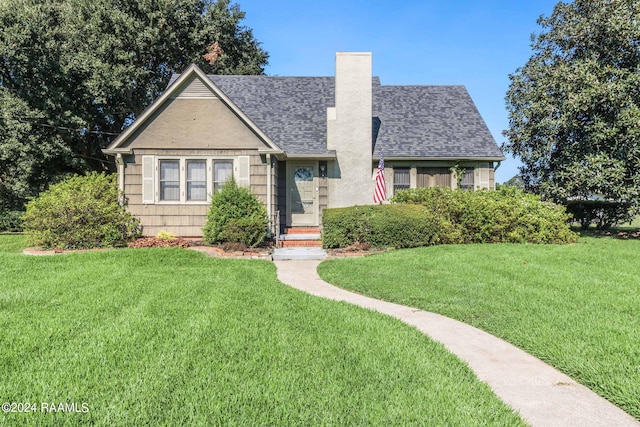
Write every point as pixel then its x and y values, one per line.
pixel 574 306
pixel 172 337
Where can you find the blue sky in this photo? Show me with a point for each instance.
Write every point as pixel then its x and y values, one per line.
pixel 423 42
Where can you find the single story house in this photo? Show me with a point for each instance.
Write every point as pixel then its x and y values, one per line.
pixel 301 144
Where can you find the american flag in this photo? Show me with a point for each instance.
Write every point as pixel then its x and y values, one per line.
pixel 381 188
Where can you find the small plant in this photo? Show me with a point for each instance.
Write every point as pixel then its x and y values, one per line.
pixel 458 171
pixel 164 235
pixel 235 216
pixel 80 212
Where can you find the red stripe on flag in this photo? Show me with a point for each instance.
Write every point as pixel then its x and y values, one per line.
pixel 381 188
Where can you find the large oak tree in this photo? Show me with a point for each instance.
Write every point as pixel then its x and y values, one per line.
pixel 75 73
pixel 574 107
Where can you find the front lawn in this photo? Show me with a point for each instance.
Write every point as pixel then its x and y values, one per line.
pixel 574 306
pixel 172 337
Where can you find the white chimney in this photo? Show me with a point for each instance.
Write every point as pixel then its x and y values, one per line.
pixel 349 131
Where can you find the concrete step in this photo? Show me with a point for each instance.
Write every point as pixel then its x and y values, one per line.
pixel 300 236
pixel 282 254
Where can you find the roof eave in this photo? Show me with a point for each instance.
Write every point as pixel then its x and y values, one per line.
pixel 319 156
pixel 116 151
pixel 455 159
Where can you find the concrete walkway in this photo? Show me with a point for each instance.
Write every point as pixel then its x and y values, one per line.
pixel 541 394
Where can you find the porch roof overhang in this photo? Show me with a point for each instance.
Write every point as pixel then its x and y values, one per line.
pixel 116 151
pixel 329 155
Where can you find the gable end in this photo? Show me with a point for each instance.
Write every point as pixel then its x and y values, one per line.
pixel 194 88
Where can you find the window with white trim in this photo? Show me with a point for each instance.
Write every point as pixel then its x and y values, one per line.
pixel 222 172
pixel 189 180
pixel 169 180
pixel 196 180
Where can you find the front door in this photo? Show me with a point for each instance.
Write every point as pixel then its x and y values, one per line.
pixel 302 194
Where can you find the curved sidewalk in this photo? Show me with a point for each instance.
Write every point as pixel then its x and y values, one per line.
pixel 541 394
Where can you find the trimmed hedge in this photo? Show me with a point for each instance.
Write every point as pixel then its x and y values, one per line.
pixel 80 212
pixel 398 226
pixel 507 215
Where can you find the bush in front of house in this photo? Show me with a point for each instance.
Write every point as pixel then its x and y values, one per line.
pixel 11 221
pixel 507 215
pixel 235 216
pixel 80 212
pixel 397 226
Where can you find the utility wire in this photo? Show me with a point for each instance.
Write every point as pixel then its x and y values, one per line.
pixel 80 130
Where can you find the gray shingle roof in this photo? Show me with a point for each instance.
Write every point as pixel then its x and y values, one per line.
pixel 430 121
pixel 292 111
pixel 409 121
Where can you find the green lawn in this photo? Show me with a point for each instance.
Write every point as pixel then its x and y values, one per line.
pixel 172 337
pixel 575 306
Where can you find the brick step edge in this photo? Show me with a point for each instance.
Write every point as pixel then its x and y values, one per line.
pixel 302 230
pixel 300 244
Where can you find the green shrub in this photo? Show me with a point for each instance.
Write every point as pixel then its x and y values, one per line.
pixel 11 221
pixel 80 212
pixel 235 216
pixel 602 213
pixel 249 231
pixel 398 226
pixel 506 215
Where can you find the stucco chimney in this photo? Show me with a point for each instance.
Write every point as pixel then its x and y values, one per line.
pixel 349 131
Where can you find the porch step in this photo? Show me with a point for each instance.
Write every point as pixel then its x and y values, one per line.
pixel 301 243
pixel 301 237
pixel 281 254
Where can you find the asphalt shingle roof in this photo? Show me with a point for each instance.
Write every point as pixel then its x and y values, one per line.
pixel 408 121
pixel 292 111
pixel 430 121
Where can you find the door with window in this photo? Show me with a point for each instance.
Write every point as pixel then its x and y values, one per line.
pixel 302 203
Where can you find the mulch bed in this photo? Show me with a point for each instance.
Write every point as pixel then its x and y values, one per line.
pixel 154 242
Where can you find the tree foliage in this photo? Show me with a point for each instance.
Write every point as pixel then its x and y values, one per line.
pixel 74 74
pixel 574 107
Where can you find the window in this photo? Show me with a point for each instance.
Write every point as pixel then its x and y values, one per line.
pixel 401 180
pixel 196 180
pixel 467 180
pixel 222 172
pixel 169 180
pixel 190 180
pixel 433 177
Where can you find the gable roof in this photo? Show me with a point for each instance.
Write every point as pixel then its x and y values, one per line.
pixel 176 84
pixel 290 115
